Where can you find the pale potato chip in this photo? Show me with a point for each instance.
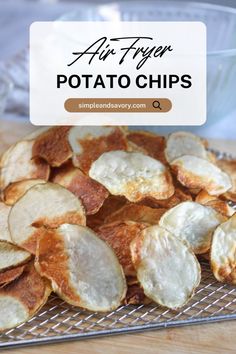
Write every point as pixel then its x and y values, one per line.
pixel 17 189
pixel 210 200
pixel 17 164
pixel 7 276
pixel 83 269
pixel 193 223
pixel 53 146
pixel 91 193
pixel 184 143
pixel 166 268
pixel 89 142
pixel 223 252
pixel 133 175
pixel 48 205
pixel 195 172
pixel 152 144
pixel 229 166
pixel 12 256
pixel 22 298
pixel 4 230
pixel 119 235
pixel 110 205
pixel 138 213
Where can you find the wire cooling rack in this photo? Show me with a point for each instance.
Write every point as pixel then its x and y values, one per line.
pixel 57 321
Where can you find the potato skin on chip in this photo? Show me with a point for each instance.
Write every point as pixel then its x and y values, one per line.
pixel 53 146
pixel 18 163
pixel 153 144
pixel 137 213
pixel 133 175
pixel 48 205
pixel 12 256
pixel 83 269
pixel 22 298
pixel 223 252
pixel 118 235
pixel 4 231
pixel 193 223
pixel 194 172
pixel 184 143
pixel 17 189
pixel 9 275
pixel 166 268
pixel 91 193
pixel 88 143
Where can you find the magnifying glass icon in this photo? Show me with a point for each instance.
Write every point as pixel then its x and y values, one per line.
pixel 157 105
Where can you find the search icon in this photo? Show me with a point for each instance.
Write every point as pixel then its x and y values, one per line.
pixel 156 104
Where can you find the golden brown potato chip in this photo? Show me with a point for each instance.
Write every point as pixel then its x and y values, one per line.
pixel 4 230
pixel 89 142
pixel 184 143
pixel 223 252
pixel 22 298
pixel 17 189
pixel 119 235
pixel 53 146
pixel 17 164
pixel 192 223
pixel 195 172
pixel 133 175
pixel 110 205
pixel 219 205
pixel 166 269
pixel 12 256
pixel 83 269
pixel 48 205
pixel 153 144
pixel 180 195
pixel 91 193
pixel 229 166
pixel 138 213
pixel 135 296
pixel 9 275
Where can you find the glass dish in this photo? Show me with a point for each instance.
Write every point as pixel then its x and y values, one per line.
pixel 221 39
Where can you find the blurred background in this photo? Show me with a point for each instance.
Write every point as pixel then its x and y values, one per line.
pixel 16 17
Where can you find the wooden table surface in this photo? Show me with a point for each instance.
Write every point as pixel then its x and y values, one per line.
pixel 208 338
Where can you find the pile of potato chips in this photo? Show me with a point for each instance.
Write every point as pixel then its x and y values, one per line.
pixel 105 216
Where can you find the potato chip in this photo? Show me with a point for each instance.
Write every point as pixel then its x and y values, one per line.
pixel 17 164
pixel 91 193
pixel 166 268
pixel 223 252
pixel 110 205
pixel 48 205
pixel 138 213
pixel 184 143
pixel 135 296
pixel 229 166
pixel 22 298
pixel 9 275
pixel 88 143
pixel 12 256
pixel 219 205
pixel 53 146
pixel 194 172
pixel 17 189
pixel 193 223
pixel 4 230
pixel 119 235
pixel 83 269
pixel 133 175
pixel 153 144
